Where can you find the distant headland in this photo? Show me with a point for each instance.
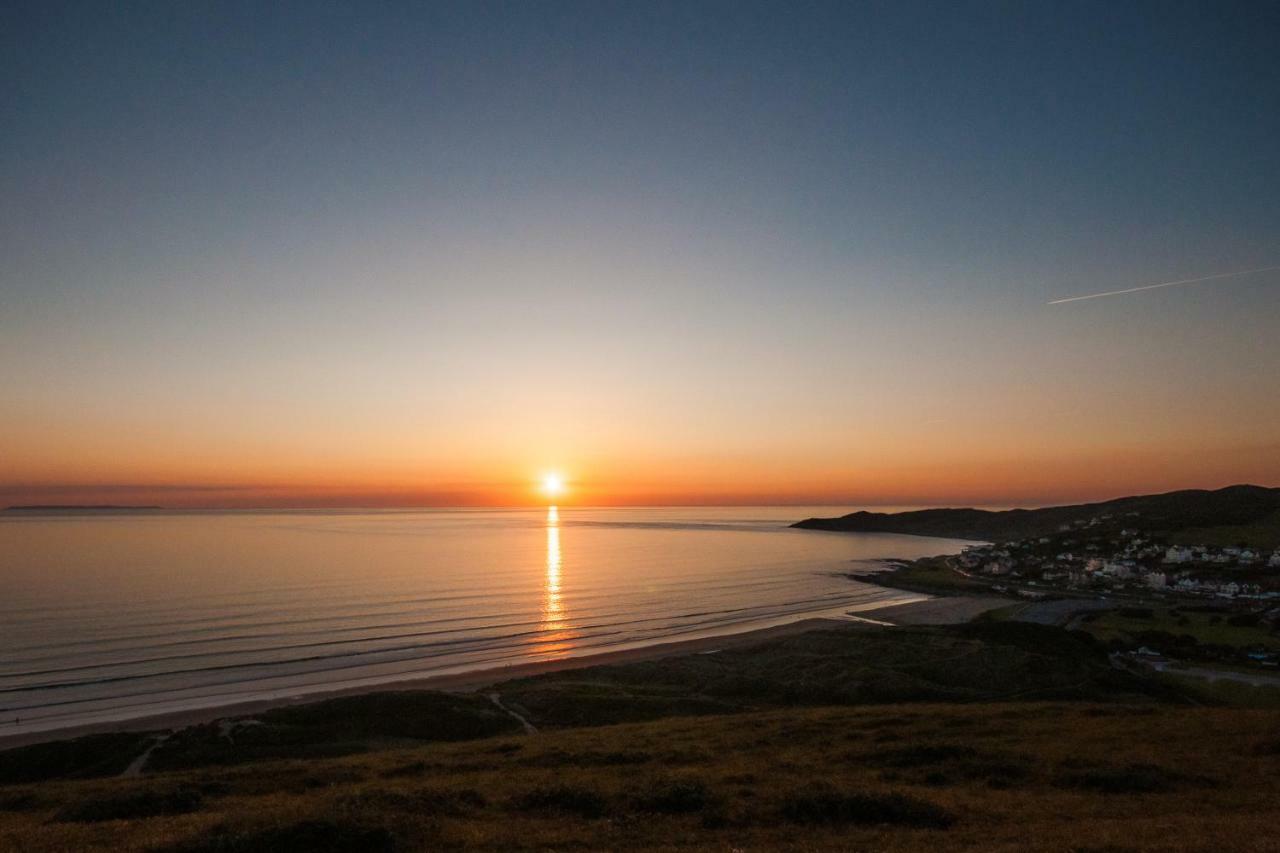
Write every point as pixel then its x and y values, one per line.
pixel 1244 512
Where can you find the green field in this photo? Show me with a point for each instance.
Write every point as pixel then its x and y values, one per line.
pixel 1204 627
pixel 931 575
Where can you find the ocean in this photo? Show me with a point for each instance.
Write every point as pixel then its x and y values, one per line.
pixel 108 616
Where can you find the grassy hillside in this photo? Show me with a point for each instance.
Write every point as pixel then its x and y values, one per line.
pixel 1193 512
pixel 1261 533
pixel 1052 777
pixel 851 665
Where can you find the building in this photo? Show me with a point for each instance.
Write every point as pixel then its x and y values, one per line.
pixel 1178 554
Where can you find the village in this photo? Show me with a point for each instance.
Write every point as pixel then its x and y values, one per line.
pixel 1095 556
pixel 1214 605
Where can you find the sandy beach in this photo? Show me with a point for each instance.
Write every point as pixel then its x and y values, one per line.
pixel 939 611
pixel 462 681
pixel 928 611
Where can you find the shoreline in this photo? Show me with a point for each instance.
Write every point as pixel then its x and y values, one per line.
pixel 459 682
pixel 931 610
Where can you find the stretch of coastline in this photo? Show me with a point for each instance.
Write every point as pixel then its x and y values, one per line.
pixel 924 611
pixel 121 617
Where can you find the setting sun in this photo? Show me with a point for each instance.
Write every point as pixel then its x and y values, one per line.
pixel 552 485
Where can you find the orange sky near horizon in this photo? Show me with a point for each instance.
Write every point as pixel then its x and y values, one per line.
pixel 815 477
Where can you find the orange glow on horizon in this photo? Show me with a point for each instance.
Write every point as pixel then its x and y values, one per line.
pixel 907 472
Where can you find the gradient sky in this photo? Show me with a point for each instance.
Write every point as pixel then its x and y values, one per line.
pixel 380 253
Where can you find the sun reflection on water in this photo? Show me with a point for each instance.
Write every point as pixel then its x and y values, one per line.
pixel 557 637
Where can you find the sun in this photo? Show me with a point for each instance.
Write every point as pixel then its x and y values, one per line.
pixel 552 484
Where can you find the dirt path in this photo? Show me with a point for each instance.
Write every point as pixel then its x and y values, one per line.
pixel 135 768
pixel 529 728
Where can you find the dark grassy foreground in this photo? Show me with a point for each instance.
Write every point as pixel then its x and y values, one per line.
pixel 999 736
pixel 992 777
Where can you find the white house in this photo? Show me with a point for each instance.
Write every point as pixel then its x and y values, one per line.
pixel 1177 554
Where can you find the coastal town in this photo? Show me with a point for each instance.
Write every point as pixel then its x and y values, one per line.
pixel 1154 601
pixel 1095 556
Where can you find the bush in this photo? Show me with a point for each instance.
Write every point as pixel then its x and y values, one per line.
pixel 822 804
pixel 590 758
pixel 400 771
pixel 673 796
pixel 923 755
pixel 942 764
pixel 312 836
pixel 82 758
pixel 572 799
pixel 19 801
pixel 426 801
pixel 1131 779
pixel 131 805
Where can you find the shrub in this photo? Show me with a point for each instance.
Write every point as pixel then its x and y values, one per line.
pixel 413 768
pixel 19 801
pixel 673 796
pixel 81 758
pixel 311 836
pixel 923 755
pixel 822 804
pixel 1130 779
pixel 131 805
pixel 573 799
pixel 942 764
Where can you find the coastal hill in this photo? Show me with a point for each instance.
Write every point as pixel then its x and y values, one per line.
pixel 1236 513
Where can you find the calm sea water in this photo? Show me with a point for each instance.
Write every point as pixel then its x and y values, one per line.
pixel 105 617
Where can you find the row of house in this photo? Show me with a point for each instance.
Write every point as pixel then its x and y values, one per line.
pixel 1132 560
pixel 1225 556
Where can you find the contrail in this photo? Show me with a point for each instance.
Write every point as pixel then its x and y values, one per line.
pixel 1163 284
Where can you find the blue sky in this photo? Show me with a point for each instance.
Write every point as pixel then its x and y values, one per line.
pixel 236 239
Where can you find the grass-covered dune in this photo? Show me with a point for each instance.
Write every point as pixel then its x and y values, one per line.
pixel 849 665
pixel 1003 776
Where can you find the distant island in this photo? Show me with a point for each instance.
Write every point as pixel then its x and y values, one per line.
pixel 1247 514
pixel 74 508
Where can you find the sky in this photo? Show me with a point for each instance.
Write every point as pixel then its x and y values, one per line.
pixel 327 254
